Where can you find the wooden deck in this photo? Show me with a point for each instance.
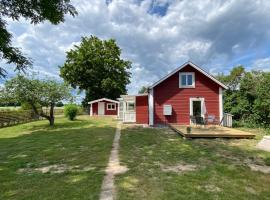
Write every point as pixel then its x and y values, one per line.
pixel 211 132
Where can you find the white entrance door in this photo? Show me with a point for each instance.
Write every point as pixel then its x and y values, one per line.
pixel 101 108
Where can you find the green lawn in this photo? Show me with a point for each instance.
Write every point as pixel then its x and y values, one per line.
pixel 162 165
pixel 64 162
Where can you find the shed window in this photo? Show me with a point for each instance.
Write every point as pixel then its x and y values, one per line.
pixel 187 80
pixel 111 106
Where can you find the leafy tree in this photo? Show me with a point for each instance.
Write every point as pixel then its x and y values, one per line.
pixel 143 89
pixel 262 102
pixel 96 67
pixel 36 93
pixel 233 79
pixel 248 96
pixel 36 12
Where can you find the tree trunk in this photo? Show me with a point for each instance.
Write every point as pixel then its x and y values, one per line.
pixel 50 117
pixel 51 114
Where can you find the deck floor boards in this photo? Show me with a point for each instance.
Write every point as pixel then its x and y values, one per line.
pixel 211 132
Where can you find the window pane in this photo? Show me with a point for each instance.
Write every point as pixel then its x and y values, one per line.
pixel 189 79
pixel 131 106
pixel 183 80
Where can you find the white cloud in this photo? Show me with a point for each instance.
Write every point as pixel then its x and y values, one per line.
pixel 213 34
pixel 262 64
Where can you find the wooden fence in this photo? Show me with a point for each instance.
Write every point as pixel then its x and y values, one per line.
pixel 227 120
pixel 12 117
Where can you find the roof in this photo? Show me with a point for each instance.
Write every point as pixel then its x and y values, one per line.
pixel 195 67
pixel 103 99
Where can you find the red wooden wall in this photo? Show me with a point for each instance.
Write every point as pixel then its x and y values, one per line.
pixel 107 112
pixel 142 109
pixel 168 92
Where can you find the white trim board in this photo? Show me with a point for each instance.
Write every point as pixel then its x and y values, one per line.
pixel 103 99
pixel 151 106
pixel 220 99
pixel 195 67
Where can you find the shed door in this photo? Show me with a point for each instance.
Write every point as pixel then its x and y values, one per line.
pixel 101 108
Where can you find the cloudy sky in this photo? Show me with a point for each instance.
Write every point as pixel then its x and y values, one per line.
pixel 157 35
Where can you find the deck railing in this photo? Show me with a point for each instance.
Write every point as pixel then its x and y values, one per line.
pixel 129 116
pixel 227 119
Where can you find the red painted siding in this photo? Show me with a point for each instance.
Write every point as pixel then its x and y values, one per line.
pixel 111 112
pixel 142 109
pixel 168 92
pixel 107 112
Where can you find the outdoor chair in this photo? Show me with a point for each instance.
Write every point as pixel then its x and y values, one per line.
pixel 192 119
pixel 200 120
pixel 211 119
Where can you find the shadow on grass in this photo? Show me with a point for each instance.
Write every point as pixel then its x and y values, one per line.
pixel 62 124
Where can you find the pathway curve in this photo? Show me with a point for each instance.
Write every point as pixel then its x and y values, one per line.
pixel 108 191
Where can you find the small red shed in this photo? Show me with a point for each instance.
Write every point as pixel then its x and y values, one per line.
pixel 103 107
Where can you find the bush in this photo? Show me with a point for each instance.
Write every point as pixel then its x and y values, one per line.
pixel 71 111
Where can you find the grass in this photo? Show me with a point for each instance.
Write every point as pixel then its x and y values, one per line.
pixel 63 162
pixel 219 168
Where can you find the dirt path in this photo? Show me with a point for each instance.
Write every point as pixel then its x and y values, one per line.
pixel 108 191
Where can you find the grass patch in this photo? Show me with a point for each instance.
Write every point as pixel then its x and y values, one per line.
pixel 162 165
pixel 66 161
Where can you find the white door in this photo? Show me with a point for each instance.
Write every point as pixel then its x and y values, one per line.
pixel 197 107
pixel 101 108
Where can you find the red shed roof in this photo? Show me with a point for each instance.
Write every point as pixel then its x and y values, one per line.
pixel 195 67
pixel 103 99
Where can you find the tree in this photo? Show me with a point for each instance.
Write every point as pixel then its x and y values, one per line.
pixel 143 89
pixel 96 67
pixel 36 12
pixel 248 96
pixel 36 93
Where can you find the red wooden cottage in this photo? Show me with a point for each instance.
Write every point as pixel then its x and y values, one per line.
pixel 185 92
pixel 103 106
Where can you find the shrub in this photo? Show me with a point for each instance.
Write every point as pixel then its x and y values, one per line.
pixel 71 111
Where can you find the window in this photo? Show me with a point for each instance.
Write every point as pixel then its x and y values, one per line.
pixel 187 80
pixel 111 106
pixel 130 106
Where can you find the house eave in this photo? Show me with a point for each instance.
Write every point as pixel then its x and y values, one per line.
pixel 195 67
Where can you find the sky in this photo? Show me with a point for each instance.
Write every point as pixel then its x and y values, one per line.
pixel 157 36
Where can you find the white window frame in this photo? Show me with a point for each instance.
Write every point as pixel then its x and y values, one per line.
pixel 186 74
pixel 128 106
pixel 111 104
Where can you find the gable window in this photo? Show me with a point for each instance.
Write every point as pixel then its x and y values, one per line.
pixel 111 106
pixel 186 80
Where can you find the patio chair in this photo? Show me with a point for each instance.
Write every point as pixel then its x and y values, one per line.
pixel 192 119
pixel 200 120
pixel 211 119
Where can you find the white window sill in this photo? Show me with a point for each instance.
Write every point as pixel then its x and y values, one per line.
pixel 192 86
